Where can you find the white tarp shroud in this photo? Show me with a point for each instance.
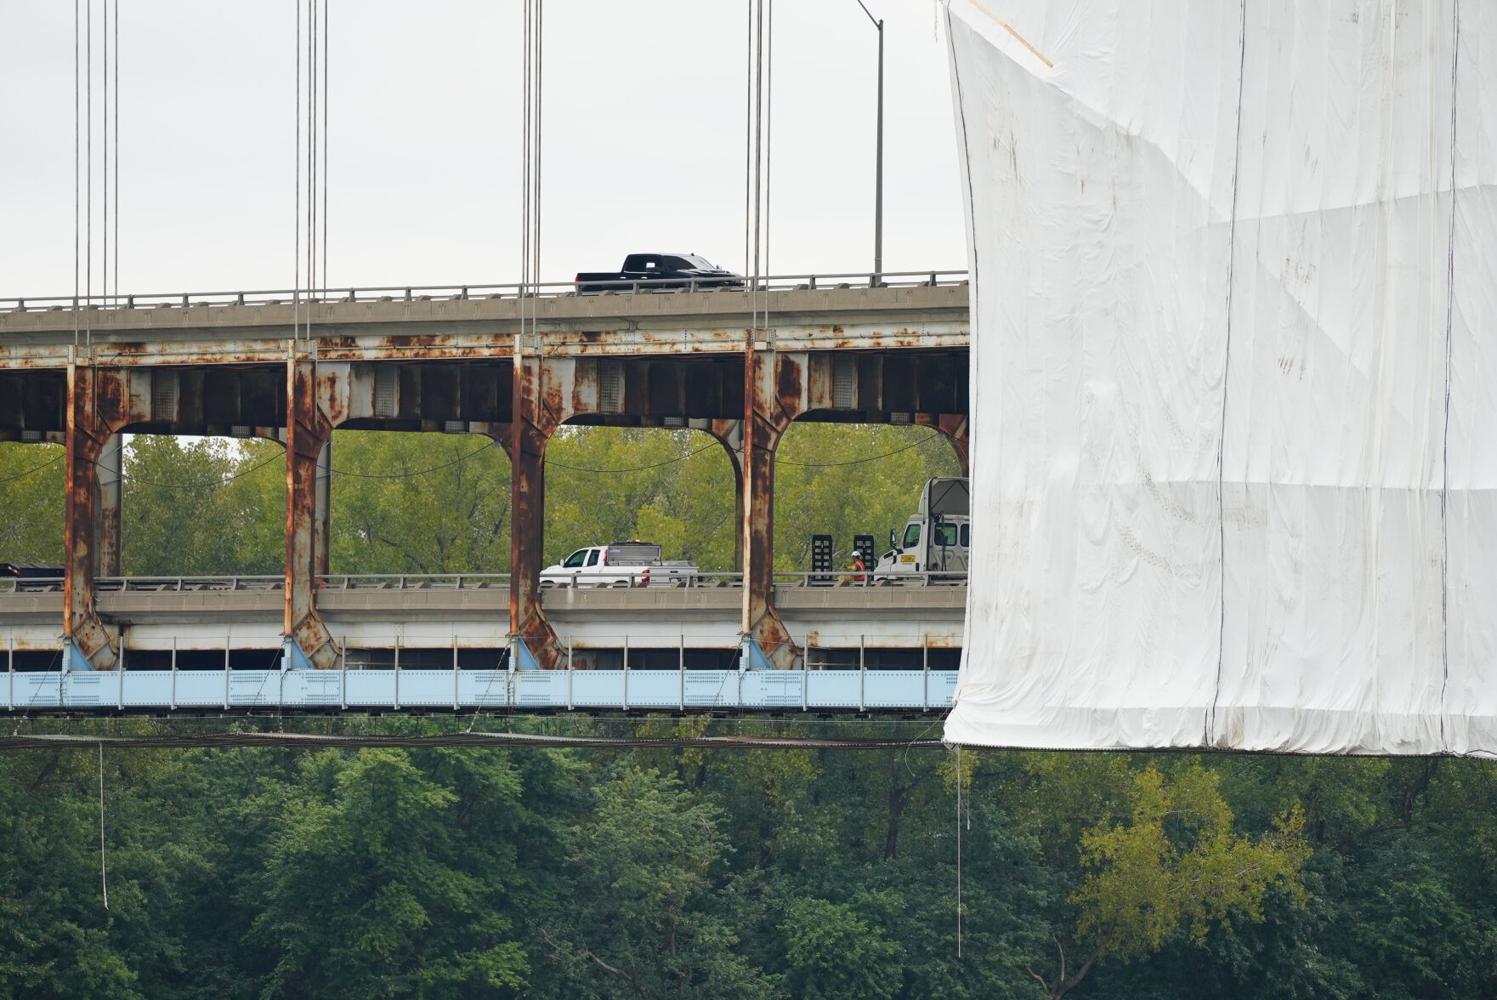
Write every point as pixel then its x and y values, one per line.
pixel 1234 365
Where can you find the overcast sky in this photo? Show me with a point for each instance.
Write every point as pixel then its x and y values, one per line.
pixel 643 137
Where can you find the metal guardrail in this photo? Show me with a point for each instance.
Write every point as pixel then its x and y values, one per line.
pixel 445 293
pixel 478 581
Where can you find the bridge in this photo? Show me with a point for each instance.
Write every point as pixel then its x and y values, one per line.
pixel 513 363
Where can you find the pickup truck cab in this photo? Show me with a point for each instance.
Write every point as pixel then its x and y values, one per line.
pixel 653 271
pixel 621 564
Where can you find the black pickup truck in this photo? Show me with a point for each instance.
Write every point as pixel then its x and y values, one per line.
pixel 652 271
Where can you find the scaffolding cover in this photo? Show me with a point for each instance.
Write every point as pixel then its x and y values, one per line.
pixel 1234 366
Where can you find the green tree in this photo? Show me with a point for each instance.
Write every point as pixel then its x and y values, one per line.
pixel 1175 865
pixel 643 915
pixel 419 503
pixel 32 494
pixel 832 953
pixel 371 888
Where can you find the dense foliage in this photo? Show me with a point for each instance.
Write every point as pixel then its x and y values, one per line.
pixel 667 873
pixel 828 874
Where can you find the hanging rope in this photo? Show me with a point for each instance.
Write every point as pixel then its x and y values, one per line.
pixel 103 858
pixel 958 850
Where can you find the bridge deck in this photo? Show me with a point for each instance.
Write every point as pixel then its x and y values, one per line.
pixel 806 313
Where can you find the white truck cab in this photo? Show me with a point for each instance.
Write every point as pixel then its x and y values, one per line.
pixel 619 564
pixel 936 540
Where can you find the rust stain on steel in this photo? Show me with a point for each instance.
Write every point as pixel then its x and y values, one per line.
pixel 772 390
pixel 97 407
pixel 307 428
pixel 534 417
pixel 23 645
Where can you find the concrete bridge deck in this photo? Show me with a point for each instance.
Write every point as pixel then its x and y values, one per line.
pixel 804 313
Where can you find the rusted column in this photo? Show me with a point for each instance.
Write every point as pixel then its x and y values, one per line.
pixel 97 408
pixel 322 512
pixel 107 539
pixel 538 411
pixel 307 642
pixel 774 395
pixel 729 434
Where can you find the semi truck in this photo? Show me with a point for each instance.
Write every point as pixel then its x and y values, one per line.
pixel 618 564
pixel 937 540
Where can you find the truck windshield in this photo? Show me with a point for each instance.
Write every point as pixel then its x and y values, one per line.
pixel 911 536
pixel 575 559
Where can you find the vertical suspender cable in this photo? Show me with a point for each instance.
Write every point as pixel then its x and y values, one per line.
pixel 88 201
pixel 296 199
pixel 748 131
pixel 768 137
pixel 535 238
pixel 758 131
pixel 116 275
pixel 105 278
pixel 311 154
pixel 324 270
pixel 77 166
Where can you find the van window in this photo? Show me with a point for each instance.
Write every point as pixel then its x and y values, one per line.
pixel 946 534
pixel 911 536
pixel 592 557
pixel 575 559
pixel 966 536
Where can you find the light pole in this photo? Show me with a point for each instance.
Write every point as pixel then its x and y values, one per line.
pixel 878 169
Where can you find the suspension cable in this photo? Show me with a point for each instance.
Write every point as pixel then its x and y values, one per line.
pixel 296 198
pixel 77 169
pixel 323 270
pixel 88 227
pixel 105 277
pixel 116 275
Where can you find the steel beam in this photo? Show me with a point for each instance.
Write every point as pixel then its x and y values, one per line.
pixel 312 400
pixel 774 394
pixel 541 404
pixel 98 406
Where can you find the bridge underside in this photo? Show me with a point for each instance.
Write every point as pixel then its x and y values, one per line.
pixel 879 355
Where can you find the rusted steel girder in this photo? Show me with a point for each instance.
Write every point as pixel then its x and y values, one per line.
pixel 774 394
pixel 541 404
pixel 98 406
pixel 313 400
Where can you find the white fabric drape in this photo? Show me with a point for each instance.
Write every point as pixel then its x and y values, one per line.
pixel 1234 365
